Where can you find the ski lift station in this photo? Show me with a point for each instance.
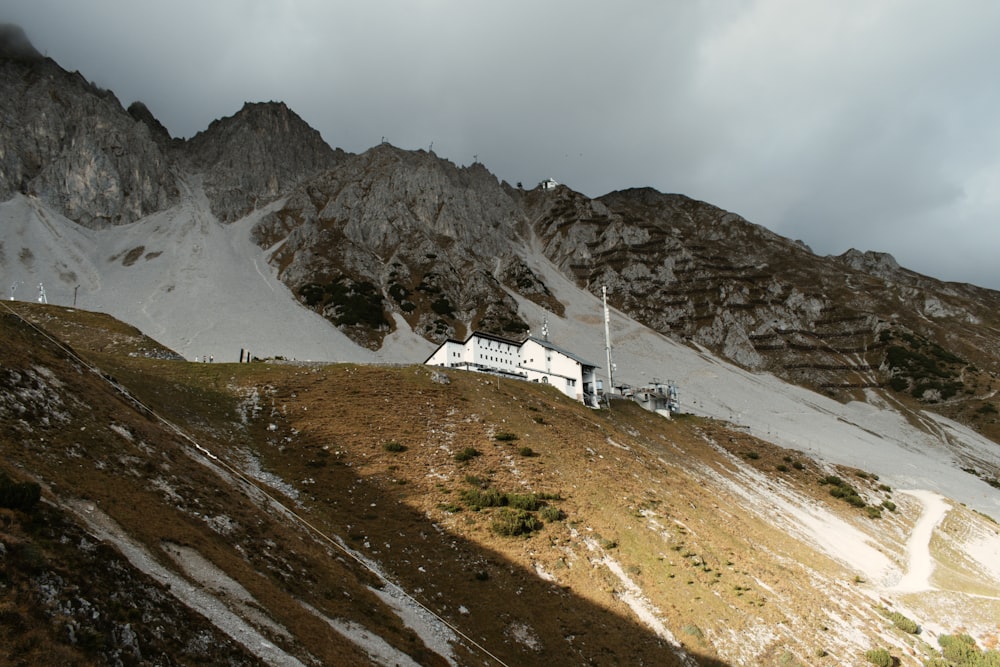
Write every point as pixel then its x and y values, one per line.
pixel 538 360
pixel 532 359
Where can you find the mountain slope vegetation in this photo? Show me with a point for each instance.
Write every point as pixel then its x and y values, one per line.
pixel 321 504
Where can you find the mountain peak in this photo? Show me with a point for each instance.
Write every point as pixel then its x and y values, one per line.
pixel 15 45
pixel 256 155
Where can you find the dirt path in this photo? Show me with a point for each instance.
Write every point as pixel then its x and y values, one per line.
pixel 920 563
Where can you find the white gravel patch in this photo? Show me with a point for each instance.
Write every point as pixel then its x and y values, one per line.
pixel 193 596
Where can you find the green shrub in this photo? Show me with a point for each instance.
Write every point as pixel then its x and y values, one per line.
pixel 889 505
pixel 467 454
pixel 753 456
pixel 961 651
pixel 505 436
pixel 18 495
pixel 523 501
pixel 394 447
pixel 526 451
pixel 843 490
pixel 442 306
pixel 782 467
pixel 903 623
pixel 874 512
pixel 879 657
pixel 476 499
pixel 510 522
pixel 475 480
pixel 347 301
pixel 550 514
pixel 855 500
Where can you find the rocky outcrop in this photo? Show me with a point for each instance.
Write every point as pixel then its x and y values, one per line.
pixel 72 144
pixel 255 156
pixel 388 235
pixel 435 242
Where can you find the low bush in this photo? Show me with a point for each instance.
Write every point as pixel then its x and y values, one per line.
pixel 467 454
pixel 394 447
pixel 523 501
pixel 477 498
pixel 505 436
pixel 903 623
pixel 18 495
pixel 510 522
pixel 879 657
pixel 550 514
pixel 961 651
pixel 526 452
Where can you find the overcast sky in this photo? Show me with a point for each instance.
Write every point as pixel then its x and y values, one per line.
pixel 872 124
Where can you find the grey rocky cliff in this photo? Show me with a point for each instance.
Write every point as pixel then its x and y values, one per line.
pixel 435 242
pixel 72 144
pixel 255 156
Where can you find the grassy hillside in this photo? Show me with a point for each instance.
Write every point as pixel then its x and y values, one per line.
pixel 360 514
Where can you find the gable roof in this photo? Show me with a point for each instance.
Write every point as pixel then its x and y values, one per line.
pixel 562 351
pixel 517 343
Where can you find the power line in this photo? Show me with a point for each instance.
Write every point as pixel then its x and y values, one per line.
pixel 206 452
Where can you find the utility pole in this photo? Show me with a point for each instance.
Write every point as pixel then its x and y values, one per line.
pixel 607 336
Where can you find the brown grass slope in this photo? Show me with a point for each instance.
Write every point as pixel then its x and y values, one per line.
pixel 642 555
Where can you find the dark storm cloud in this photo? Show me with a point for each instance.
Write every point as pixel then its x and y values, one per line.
pixel 868 124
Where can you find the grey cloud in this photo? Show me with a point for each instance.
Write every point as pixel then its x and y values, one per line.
pixel 867 124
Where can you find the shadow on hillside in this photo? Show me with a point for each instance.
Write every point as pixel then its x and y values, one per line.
pixel 161 490
pixel 523 618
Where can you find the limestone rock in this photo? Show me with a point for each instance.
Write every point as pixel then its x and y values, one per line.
pixel 72 144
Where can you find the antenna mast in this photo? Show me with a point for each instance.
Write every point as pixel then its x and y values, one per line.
pixel 607 336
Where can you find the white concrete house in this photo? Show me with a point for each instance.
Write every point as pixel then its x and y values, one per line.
pixel 531 359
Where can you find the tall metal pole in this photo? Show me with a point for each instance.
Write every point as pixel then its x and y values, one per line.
pixel 607 336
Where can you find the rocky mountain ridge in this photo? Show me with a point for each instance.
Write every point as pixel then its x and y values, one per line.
pixel 393 238
pixel 295 512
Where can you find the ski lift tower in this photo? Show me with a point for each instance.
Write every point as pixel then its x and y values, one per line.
pixel 41 294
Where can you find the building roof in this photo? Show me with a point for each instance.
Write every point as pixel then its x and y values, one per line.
pixel 563 351
pixel 518 343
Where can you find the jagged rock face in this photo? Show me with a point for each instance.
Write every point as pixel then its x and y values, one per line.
pixel 73 145
pixel 416 234
pixel 837 324
pixel 368 239
pixel 256 156
pixel 160 134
